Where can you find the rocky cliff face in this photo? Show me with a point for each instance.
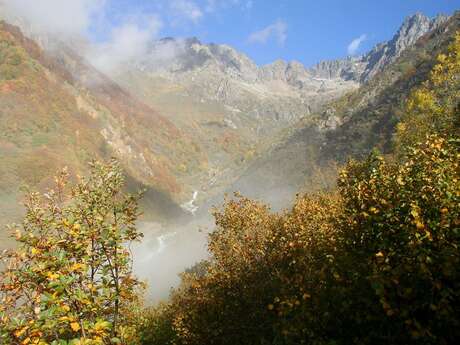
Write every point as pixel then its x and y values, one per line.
pixel 220 73
pixel 271 97
pixel 364 68
pixel 411 30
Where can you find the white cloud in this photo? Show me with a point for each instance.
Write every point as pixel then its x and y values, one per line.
pixel 117 37
pixel 56 16
pixel 186 9
pixel 128 41
pixel 355 44
pixel 277 30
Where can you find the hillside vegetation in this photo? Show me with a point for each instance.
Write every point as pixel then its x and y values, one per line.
pixel 373 261
pixel 50 119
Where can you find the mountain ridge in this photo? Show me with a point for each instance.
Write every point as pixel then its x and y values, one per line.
pixel 189 118
pixel 308 156
pixel 363 68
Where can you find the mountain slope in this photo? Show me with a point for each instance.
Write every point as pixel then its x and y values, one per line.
pixel 50 119
pixel 307 156
pixel 364 68
pixel 233 108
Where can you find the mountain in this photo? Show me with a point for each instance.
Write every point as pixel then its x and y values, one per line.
pixel 307 156
pixel 187 120
pixel 234 108
pixel 281 91
pixel 62 112
pixel 364 68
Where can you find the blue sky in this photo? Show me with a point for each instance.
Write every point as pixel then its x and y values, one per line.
pixel 304 30
pixel 266 30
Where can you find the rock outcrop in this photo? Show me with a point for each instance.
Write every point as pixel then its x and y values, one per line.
pixel 364 68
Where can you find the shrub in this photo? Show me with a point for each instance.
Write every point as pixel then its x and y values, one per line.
pixel 376 264
pixel 70 279
pixel 402 226
pixel 435 106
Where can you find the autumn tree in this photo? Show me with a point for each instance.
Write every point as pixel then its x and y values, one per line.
pixel 401 232
pixel 434 107
pixel 70 280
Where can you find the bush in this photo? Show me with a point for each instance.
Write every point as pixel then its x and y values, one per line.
pixel 70 280
pixel 376 264
pixel 402 230
pixel 435 106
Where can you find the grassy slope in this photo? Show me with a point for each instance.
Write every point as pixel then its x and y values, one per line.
pixel 44 127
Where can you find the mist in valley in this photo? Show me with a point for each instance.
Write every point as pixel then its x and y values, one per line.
pixel 165 252
pixel 168 249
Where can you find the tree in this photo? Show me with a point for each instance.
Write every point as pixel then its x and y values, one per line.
pixel 434 107
pixel 70 279
pixel 401 231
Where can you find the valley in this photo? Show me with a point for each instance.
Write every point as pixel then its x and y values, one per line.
pixel 191 122
pixel 229 172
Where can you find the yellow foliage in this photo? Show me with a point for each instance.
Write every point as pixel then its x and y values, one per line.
pixel 75 326
pixel 433 108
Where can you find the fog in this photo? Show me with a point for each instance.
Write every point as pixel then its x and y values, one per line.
pixel 165 252
pixel 107 43
pixel 64 18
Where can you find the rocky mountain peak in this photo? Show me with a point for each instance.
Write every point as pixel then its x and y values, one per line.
pixel 363 68
pixel 220 72
pixel 172 56
pixel 412 28
pixel 349 68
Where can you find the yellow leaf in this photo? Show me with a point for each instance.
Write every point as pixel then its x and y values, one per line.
pixel 374 210
pixel 21 331
pixel 77 267
pixel 101 325
pixel 419 225
pixel 52 276
pixel 75 326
